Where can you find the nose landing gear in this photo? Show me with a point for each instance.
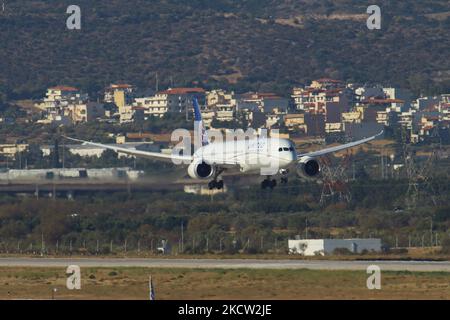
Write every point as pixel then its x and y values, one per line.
pixel 267 183
pixel 284 176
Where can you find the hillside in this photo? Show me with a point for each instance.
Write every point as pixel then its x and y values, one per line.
pixel 258 45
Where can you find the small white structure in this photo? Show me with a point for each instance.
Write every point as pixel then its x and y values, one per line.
pixel 106 174
pixel 314 247
pixel 203 190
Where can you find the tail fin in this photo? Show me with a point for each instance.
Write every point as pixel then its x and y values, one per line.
pixel 199 128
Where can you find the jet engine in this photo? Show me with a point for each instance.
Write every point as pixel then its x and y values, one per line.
pixel 308 167
pixel 200 170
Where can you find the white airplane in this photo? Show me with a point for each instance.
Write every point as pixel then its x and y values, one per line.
pixel 270 156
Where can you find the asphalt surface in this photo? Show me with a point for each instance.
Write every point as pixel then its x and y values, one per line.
pixel 422 266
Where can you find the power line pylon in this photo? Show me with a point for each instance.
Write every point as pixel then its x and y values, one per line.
pixel 335 180
pixel 419 177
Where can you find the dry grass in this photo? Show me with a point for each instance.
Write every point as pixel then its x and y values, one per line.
pixel 132 283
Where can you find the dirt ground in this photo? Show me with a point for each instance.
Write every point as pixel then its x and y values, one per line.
pixel 132 283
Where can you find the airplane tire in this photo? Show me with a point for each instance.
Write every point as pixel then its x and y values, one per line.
pixel 212 185
pixel 273 184
pixel 219 185
pixel 264 184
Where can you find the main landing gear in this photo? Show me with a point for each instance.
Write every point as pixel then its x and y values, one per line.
pixel 216 184
pixel 267 183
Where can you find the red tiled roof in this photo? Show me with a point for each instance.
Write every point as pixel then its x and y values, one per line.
pixel 382 101
pixel 328 80
pixel 182 91
pixel 260 95
pixel 121 86
pixel 64 88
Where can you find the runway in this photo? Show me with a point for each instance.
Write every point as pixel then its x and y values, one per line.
pixel 417 266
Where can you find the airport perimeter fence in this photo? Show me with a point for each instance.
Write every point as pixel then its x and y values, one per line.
pixel 192 245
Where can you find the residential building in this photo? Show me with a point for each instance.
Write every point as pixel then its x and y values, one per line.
pixel 120 94
pixel 273 120
pixel 225 112
pixel 352 117
pixel 294 121
pixel 85 112
pixel 176 100
pixel 59 97
pixel 10 150
pixel 337 127
pixel 219 96
pixel 324 96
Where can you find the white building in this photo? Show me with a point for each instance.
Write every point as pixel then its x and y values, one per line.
pixel 172 100
pixel 314 247
pixel 60 97
pixel 71 173
pixel 83 150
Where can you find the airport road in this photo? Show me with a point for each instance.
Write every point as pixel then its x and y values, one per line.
pixel 420 266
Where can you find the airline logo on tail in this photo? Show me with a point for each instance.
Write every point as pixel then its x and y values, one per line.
pixel 199 128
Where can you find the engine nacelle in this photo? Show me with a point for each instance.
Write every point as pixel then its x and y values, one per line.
pixel 200 170
pixel 308 167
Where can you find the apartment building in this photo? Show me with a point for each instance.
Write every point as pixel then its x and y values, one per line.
pixel 176 100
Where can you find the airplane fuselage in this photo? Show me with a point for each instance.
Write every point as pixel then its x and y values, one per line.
pixel 249 155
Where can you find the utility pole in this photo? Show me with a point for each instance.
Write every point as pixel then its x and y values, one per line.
pixel 182 238
pixel 306 228
pixel 431 232
pixel 353 170
pixel 64 155
pixel 42 244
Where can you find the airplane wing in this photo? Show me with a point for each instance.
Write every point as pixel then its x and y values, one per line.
pixel 135 152
pixel 338 148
